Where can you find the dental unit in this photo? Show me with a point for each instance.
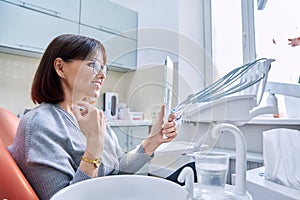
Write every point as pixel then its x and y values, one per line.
pixel 220 108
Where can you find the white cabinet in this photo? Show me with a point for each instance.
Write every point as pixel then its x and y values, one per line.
pixel 115 26
pixel 130 136
pixel 121 51
pixel 28 29
pixel 32 24
pixel 108 16
pixel 66 9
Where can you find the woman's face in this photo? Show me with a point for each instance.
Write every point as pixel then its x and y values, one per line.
pixel 87 77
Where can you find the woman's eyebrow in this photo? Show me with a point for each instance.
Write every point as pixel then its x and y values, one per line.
pixel 95 60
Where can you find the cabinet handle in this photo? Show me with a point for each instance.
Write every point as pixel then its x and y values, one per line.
pixel 40 9
pixel 108 29
pixel 116 64
pixel 30 47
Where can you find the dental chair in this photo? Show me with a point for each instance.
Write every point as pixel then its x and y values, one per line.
pixel 8 126
pixel 13 184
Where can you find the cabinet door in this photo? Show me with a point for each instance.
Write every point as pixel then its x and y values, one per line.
pixel 108 16
pixel 66 9
pixel 136 135
pixel 122 133
pixel 121 51
pixel 26 29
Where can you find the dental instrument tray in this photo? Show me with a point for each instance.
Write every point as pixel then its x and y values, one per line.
pixel 239 91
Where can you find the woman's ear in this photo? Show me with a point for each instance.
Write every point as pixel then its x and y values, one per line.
pixel 59 67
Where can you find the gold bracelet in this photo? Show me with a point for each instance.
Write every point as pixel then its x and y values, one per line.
pixel 96 162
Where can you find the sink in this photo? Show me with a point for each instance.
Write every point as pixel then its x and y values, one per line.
pixel 133 187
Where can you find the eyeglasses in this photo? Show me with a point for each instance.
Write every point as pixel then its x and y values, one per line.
pixel 97 67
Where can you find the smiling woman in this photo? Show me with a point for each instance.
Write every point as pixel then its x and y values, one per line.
pixel 60 52
pixel 65 139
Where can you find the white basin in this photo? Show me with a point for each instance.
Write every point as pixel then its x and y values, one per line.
pixel 131 187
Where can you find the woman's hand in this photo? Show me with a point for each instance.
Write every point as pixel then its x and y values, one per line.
pixel 92 123
pixel 159 129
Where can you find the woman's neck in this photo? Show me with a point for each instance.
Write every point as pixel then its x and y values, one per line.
pixel 66 106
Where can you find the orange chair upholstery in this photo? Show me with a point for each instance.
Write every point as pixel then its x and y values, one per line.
pixel 13 184
pixel 8 126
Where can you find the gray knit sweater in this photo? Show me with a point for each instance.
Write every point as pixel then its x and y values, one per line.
pixel 48 147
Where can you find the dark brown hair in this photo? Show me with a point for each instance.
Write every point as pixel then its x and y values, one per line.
pixel 46 86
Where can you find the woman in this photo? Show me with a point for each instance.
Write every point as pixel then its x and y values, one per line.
pixel 65 139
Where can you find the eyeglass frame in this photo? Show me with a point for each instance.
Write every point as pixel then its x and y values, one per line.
pixel 99 67
pixel 102 68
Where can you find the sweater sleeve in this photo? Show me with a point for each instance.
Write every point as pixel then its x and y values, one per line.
pixel 134 160
pixel 131 162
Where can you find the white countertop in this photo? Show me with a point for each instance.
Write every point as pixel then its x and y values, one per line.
pixel 130 122
pixel 260 188
pixel 277 121
pixel 256 120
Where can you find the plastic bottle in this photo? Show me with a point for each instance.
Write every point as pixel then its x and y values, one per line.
pixel 272 101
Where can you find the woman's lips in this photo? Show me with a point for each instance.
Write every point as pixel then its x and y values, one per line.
pixel 97 84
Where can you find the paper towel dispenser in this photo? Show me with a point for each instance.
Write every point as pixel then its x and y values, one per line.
pixel 111 105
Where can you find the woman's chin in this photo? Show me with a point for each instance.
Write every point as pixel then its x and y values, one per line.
pixel 97 94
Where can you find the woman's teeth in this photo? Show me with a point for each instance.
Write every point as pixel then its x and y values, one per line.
pixel 97 84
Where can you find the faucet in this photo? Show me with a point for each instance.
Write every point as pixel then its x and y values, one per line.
pixel 241 150
pixel 187 176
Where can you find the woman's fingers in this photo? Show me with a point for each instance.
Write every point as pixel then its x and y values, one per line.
pixel 103 120
pixel 91 121
pixel 172 117
pixel 82 109
pixel 169 129
pixel 76 111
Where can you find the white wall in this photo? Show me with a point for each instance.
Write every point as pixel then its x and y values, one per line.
pixel 174 28
pixel 16 76
pixel 191 67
